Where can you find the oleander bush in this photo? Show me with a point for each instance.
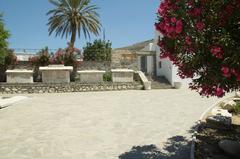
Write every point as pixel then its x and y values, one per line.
pixel 67 57
pixel 41 59
pixel 202 38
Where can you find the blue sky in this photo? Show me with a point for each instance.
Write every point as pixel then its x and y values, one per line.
pixel 125 21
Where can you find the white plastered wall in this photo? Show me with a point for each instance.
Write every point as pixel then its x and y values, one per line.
pixel 168 70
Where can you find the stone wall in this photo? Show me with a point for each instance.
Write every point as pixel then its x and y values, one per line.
pixel 63 88
pixel 93 65
pixel 125 64
pixel 107 66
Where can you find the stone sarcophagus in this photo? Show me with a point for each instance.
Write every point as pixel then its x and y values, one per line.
pixel 19 76
pixel 122 75
pixel 91 76
pixel 56 74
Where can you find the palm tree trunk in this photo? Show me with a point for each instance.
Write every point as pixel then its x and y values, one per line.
pixel 73 38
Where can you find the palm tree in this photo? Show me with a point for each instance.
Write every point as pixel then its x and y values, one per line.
pixel 72 17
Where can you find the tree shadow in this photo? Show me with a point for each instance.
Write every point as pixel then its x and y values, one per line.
pixel 177 147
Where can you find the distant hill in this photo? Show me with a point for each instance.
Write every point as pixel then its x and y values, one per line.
pixel 136 47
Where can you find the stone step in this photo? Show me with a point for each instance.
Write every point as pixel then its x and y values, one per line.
pixel 159 83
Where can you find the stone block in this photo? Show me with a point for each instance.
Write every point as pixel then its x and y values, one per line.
pixel 122 75
pixel 219 122
pixel 91 76
pixel 229 105
pixel 230 147
pixel 56 74
pixel 19 76
pixel 222 112
pixel 237 94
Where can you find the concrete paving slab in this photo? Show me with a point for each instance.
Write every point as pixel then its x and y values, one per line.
pixel 5 102
pixel 153 124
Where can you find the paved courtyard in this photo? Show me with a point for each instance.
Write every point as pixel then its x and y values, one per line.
pixel 101 125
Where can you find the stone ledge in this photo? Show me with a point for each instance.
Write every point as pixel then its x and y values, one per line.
pixel 6 88
pixel 19 71
pixel 56 68
pixel 122 70
pixel 91 71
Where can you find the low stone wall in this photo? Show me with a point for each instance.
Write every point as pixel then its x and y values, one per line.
pixel 63 88
pixel 94 65
pixel 107 66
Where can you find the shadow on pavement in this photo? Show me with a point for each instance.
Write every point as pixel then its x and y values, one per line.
pixel 177 147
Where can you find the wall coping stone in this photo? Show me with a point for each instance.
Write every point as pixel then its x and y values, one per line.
pixel 91 71
pixel 56 68
pixel 122 70
pixel 19 71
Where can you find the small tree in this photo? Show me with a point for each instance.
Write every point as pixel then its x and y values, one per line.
pixel 7 57
pixel 202 38
pixel 99 50
pixel 4 35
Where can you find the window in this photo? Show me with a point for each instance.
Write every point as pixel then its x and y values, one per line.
pixel 160 64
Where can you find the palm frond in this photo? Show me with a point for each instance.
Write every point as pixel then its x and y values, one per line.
pixel 73 17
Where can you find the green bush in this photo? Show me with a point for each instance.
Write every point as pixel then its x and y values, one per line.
pixel 99 50
pixel 237 108
pixel 107 77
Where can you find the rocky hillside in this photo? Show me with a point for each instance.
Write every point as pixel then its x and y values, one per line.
pixel 137 46
pixel 128 53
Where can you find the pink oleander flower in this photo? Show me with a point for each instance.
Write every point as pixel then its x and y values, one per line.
pixel 217 51
pixel 174 20
pixel 200 26
pixel 195 12
pixel 234 72
pixel 219 92
pixel 226 71
pixel 238 78
pixel 188 40
pixel 179 26
pixel 190 3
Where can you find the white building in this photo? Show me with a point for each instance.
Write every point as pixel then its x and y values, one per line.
pixel 24 57
pixel 150 63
